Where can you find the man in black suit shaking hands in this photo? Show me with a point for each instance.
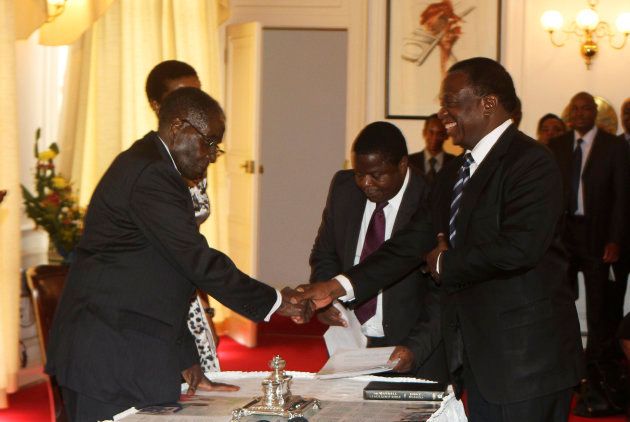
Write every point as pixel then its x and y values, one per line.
pixel 118 337
pixel 377 198
pixel 509 322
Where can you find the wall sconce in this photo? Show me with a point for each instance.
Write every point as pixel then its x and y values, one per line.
pixel 588 28
pixel 54 9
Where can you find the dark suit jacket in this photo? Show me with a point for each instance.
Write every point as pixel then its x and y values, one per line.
pixel 416 162
pixel 411 313
pixel 505 295
pixel 119 327
pixel 605 181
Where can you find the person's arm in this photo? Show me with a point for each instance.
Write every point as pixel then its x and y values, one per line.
pixel 324 259
pixel 523 227
pixel 160 206
pixel 620 200
pixel 426 333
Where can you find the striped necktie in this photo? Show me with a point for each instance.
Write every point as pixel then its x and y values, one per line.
pixel 458 189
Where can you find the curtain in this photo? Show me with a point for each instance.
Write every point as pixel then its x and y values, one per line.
pixel 106 110
pixel 10 208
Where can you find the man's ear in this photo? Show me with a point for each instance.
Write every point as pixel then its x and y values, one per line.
pixel 490 103
pixel 404 163
pixel 155 106
pixel 175 127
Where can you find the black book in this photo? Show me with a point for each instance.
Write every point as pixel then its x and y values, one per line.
pixel 381 390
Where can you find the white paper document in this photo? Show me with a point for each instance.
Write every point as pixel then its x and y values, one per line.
pixel 352 363
pixel 345 338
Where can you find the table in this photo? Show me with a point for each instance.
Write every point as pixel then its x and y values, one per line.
pixel 342 401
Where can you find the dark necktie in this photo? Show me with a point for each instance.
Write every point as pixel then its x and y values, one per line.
pixel 458 189
pixel 431 173
pixel 374 238
pixel 577 175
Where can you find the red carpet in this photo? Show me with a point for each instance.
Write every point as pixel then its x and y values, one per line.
pixel 29 404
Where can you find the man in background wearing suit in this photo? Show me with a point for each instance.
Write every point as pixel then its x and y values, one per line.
pixel 118 335
pixel 509 321
pixel 432 158
pixel 379 196
pixel 595 170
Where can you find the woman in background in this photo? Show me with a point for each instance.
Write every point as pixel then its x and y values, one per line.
pixel 550 126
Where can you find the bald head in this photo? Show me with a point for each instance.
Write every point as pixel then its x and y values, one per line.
pixel 582 112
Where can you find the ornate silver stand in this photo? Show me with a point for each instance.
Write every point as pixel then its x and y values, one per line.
pixel 277 399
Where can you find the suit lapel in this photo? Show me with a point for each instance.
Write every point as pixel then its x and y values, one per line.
pixel 480 178
pixel 408 205
pixel 356 208
pixel 594 154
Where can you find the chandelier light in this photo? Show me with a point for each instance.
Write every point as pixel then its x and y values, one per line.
pixel 588 28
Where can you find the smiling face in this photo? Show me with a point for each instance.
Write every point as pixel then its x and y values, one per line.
pixel 379 179
pixel 464 114
pixel 189 149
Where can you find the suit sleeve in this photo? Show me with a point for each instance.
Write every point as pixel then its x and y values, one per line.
pixel 530 208
pixel 620 182
pixel 403 253
pixel 426 334
pixel 161 207
pixel 324 260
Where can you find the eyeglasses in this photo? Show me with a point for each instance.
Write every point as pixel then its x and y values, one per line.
pixel 210 141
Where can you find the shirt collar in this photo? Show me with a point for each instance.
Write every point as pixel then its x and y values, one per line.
pixel 486 143
pixel 438 158
pixel 588 137
pixel 169 154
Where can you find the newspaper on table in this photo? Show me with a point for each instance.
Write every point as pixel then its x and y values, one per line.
pixel 352 363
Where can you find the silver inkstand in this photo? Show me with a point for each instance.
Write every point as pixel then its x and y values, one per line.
pixel 277 399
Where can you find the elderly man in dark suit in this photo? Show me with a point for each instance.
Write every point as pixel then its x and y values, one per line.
pixel 509 321
pixel 118 335
pixel 432 158
pixel 595 171
pixel 380 191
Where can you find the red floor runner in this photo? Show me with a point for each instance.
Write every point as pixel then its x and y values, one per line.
pixel 29 404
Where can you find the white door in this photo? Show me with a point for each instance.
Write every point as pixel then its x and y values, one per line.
pixel 244 44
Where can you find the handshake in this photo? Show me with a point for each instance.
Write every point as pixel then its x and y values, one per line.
pixel 301 303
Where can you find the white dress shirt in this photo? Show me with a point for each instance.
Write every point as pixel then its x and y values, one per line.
pixel 439 161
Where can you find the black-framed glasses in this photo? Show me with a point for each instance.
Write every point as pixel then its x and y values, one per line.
pixel 211 142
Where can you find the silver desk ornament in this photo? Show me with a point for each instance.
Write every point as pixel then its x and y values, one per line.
pixel 277 399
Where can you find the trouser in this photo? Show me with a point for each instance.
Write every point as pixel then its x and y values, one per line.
pixel 549 408
pixel 601 293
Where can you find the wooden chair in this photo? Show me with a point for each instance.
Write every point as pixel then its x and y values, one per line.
pixel 46 283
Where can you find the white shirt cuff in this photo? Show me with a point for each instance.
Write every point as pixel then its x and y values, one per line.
pixel 275 305
pixel 437 264
pixel 347 286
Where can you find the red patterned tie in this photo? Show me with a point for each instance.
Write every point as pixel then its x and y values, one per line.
pixel 374 237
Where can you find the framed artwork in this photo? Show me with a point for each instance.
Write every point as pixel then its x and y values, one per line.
pixel 426 37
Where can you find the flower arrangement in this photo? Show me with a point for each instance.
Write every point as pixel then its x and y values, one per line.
pixel 53 205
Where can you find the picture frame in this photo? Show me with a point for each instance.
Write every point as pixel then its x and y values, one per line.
pixel 424 38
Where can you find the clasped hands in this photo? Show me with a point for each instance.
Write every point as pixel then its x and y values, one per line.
pixel 301 303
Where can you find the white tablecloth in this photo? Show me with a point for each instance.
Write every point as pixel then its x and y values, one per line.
pixel 342 400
